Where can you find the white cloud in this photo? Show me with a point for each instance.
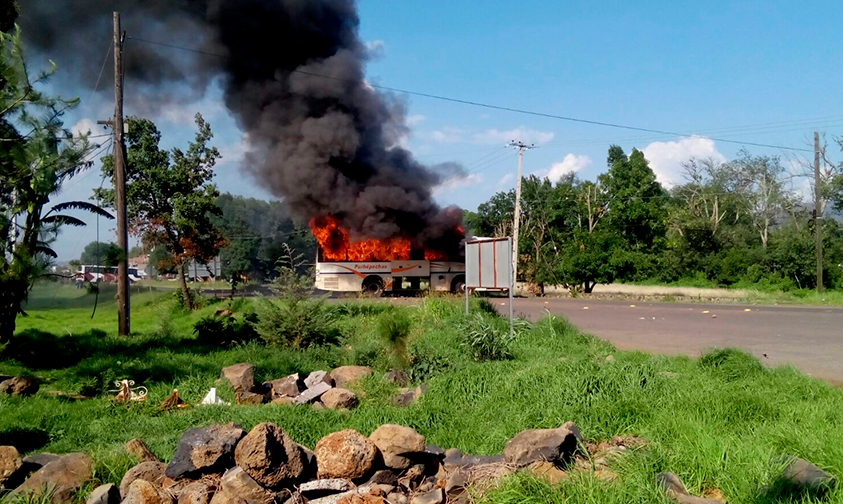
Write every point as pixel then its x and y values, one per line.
pixel 83 127
pixel 505 180
pixel 458 182
pixel 234 153
pixel 414 120
pixel 666 158
pixel 520 134
pixel 375 48
pixel 448 134
pixel 571 163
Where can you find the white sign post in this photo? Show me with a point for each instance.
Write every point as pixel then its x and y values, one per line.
pixel 488 266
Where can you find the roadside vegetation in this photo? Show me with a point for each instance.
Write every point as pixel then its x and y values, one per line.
pixel 719 421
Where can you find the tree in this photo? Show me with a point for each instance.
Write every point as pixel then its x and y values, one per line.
pixel 169 196
pixel 637 210
pixel 494 218
pixel 101 254
pixel 766 196
pixel 36 155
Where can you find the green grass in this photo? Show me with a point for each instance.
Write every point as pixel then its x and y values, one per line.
pixel 717 422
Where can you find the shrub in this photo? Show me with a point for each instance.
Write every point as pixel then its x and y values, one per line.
pixel 225 329
pixel 424 366
pixel 486 338
pixel 295 322
pixel 731 363
pixel 487 306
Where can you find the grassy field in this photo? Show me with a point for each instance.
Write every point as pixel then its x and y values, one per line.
pixel 718 422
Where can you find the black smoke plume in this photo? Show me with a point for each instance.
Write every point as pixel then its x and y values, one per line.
pixel 292 73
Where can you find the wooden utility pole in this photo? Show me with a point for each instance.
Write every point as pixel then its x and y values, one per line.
pixel 516 219
pixel 119 156
pixel 818 209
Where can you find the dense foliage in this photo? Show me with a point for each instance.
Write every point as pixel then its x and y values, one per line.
pixel 730 223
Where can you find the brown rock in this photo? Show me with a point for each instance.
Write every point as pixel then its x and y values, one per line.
pixel 397 498
pixel 397 377
pixel 548 472
pixel 269 456
pixel 357 498
pixel 383 477
pixel 339 398
pixel 104 494
pixel 240 376
pixel 61 479
pixel 19 386
pixel 533 445
pixel 289 386
pixel 237 482
pixel 205 450
pixel 321 487
pixel 803 475
pixel 344 454
pixel 404 398
pixel 222 497
pixel 10 463
pixel 140 451
pixel 435 496
pixel 345 375
pixel 152 472
pixel 282 401
pixel 145 492
pixel 197 493
pixel 250 398
pixel 396 440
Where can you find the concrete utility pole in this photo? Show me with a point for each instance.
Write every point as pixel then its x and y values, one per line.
pixel 119 161
pixel 516 219
pixel 818 209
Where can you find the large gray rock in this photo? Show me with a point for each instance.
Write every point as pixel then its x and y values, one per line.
pixel 315 378
pixel 10 463
pixel 152 472
pixel 144 492
pixel 395 441
pixel 197 493
pixel 270 457
pixel 806 476
pixel 289 386
pixel 240 376
pixel 345 375
pixel 205 450
pixel 237 482
pixel 553 445
pixel 19 386
pixel 312 394
pixel 60 479
pixel 339 398
pixel 104 494
pixel 344 454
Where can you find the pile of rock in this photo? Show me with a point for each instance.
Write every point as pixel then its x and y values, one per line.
pixel 319 388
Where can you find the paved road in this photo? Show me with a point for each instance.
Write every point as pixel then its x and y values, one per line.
pixel 810 338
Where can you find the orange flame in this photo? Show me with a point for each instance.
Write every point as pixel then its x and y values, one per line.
pixel 336 245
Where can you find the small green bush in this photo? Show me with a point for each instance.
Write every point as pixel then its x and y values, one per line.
pixel 486 338
pixel 488 307
pixel 731 363
pixel 226 329
pixel 424 366
pixel 295 322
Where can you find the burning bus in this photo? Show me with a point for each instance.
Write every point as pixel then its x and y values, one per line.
pixel 375 266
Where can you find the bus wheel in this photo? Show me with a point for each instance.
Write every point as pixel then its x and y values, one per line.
pixel 373 286
pixel 458 285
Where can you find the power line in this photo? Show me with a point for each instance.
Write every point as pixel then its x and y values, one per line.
pixel 493 106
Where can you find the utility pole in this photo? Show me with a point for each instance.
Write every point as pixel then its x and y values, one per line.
pixel 119 161
pixel 818 209
pixel 516 219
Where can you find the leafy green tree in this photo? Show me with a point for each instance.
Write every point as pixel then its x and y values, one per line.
pixel 36 155
pixel 101 254
pixel 637 210
pixel 169 195
pixel 493 218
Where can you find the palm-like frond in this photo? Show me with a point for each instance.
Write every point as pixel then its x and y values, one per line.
pixel 81 205
pixel 63 220
pixel 41 249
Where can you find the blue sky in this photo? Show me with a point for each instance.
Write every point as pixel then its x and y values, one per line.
pixel 754 71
